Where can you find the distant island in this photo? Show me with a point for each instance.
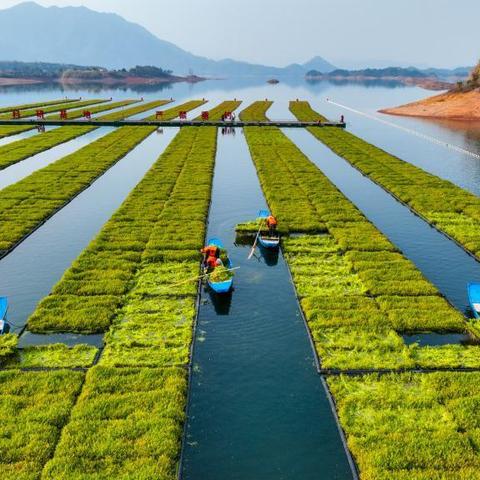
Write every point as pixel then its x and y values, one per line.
pixel 431 79
pixel 25 73
pixel 461 102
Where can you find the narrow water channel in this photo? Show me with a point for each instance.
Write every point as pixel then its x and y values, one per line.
pixel 442 261
pixel 459 168
pixel 20 136
pixel 29 272
pixel 257 408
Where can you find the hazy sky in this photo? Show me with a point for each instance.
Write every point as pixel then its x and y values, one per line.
pixel 351 33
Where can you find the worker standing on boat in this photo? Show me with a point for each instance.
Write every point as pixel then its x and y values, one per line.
pixel 272 226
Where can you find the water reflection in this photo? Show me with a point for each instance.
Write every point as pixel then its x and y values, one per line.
pixel 221 303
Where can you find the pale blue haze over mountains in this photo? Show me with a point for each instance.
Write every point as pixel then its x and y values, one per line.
pixel 77 35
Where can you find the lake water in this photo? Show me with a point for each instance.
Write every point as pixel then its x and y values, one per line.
pixel 258 409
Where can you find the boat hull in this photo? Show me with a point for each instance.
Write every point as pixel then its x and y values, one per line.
pixel 269 243
pixel 474 298
pixel 220 287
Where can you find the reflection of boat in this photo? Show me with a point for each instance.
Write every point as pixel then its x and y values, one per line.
pixel 225 286
pixel 221 303
pixel 4 326
pixel 269 255
pixel 264 238
pixel 474 298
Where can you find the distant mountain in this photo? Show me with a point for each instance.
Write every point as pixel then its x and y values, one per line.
pixel 319 64
pixel 372 72
pixel 78 35
pixel 392 72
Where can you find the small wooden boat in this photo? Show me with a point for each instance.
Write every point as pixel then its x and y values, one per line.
pixel 4 326
pixel 265 239
pixel 220 287
pixel 474 298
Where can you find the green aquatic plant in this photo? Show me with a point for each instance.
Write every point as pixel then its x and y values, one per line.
pixel 40 104
pixel 451 209
pixel 27 203
pixel 8 130
pixel 54 356
pixel 147 250
pixel 132 415
pixel 411 426
pixel 221 274
pixel 349 278
pixel 38 405
pixel 24 148
pixel 8 346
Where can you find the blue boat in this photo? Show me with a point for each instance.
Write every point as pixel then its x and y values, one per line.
pixel 266 240
pixel 220 287
pixel 474 298
pixel 4 326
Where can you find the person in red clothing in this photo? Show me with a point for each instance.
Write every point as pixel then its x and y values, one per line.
pixel 211 263
pixel 210 251
pixel 272 226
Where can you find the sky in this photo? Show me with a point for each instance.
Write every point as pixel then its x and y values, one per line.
pixel 348 33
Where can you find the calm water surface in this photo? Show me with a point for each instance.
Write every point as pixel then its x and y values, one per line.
pixel 258 408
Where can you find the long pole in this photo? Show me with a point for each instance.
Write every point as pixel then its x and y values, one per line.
pixel 250 255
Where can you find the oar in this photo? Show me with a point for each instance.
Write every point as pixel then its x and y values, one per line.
pixel 255 242
pixel 199 277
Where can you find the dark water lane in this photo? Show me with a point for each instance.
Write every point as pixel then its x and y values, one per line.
pixel 29 272
pixel 442 261
pixel 257 408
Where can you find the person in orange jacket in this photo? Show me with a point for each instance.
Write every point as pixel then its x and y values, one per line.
pixel 210 251
pixel 272 226
pixel 211 263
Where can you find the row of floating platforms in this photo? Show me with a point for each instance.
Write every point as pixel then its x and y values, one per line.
pixel 170 123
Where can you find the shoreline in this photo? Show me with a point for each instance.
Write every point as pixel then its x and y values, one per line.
pixel 105 81
pixel 446 106
pixel 428 83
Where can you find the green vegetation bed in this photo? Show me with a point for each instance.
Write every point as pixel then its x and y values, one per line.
pixel 127 423
pixel 7 130
pixel 412 426
pixel 449 208
pixel 357 291
pixel 36 406
pixel 21 149
pixel 128 420
pixel 52 356
pixel 27 106
pixel 29 202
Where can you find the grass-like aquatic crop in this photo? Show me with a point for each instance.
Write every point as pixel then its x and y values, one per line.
pixel 451 209
pixel 356 290
pixel 37 405
pixel 21 149
pixel 126 424
pixel 54 356
pixel 227 106
pixel 221 274
pixel 47 103
pixel 27 203
pixel 128 421
pixel 150 245
pixel 8 345
pixel 57 107
pixel 7 130
pixel 411 426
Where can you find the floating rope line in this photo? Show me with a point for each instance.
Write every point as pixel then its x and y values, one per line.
pixel 408 130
